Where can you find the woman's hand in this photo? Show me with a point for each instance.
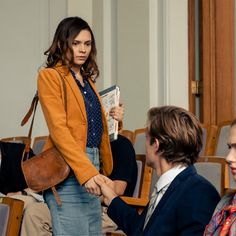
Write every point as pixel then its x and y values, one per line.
pixel 92 187
pixel 107 187
pixel 117 112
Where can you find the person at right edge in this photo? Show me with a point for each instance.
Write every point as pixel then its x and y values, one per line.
pixel 223 221
pixel 182 201
pixel 79 132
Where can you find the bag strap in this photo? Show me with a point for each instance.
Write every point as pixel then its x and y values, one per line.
pixel 32 110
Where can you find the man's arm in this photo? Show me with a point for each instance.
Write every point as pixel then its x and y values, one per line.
pixel 122 214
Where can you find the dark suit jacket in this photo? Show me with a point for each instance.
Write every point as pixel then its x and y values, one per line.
pixel 185 209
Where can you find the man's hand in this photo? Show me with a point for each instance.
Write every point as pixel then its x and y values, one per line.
pixel 107 188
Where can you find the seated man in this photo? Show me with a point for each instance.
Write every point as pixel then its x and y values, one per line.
pixel 223 221
pixel 182 201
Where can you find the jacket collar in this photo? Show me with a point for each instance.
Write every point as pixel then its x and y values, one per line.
pixel 180 178
pixel 65 72
pixel 71 83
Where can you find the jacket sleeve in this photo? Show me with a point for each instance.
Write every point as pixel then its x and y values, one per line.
pixel 126 217
pixel 50 92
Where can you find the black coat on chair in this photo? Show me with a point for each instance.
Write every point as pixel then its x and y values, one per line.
pixel 11 175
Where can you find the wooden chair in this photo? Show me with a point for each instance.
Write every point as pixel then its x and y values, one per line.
pixel 209 139
pixel 38 144
pixel 139 141
pixel 15 215
pixel 128 134
pixel 17 139
pixel 144 186
pixel 214 169
pixel 4 216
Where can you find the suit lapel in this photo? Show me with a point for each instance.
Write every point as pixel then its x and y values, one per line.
pixel 174 186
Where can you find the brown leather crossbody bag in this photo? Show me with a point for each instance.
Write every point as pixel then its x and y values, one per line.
pixel 49 168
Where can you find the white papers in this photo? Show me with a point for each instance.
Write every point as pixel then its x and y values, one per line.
pixel 110 98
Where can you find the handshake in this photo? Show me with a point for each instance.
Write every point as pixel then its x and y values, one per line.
pixel 101 185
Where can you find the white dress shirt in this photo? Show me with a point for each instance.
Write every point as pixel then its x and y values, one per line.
pixel 165 180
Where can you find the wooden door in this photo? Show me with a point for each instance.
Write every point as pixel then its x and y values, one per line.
pixel 216 59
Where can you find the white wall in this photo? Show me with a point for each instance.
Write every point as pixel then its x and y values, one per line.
pixel 133 60
pixel 144 49
pixel 26 29
pixel 142 45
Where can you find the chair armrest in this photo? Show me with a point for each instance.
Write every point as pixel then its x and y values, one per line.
pixel 137 202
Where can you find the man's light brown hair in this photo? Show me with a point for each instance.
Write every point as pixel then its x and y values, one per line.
pixel 178 131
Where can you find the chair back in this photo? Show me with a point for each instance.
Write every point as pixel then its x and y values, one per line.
pixel 136 192
pixel 4 215
pixel 222 135
pixel 144 182
pixel 221 149
pixel 15 214
pixel 213 168
pixel 208 139
pixel 139 141
pixel 128 134
pixel 205 132
pixel 38 144
pixel 17 139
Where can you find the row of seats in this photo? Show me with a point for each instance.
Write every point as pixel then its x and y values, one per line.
pixel 11 210
pixel 211 164
pixel 143 184
pixel 214 147
pixel 38 142
pixel 215 144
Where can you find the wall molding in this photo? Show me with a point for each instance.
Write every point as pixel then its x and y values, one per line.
pixel 153 53
pixel 107 43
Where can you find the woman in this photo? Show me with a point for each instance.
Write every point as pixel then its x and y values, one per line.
pixel 80 133
pixel 223 221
